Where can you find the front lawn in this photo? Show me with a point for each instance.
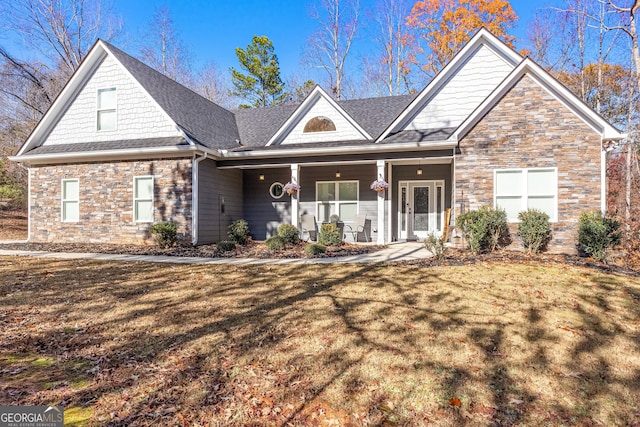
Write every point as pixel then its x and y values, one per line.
pixel 492 343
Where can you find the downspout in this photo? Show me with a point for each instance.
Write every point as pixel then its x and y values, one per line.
pixel 28 204
pixel 194 198
pixel 603 178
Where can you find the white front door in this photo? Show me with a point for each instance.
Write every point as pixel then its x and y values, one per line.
pixel 421 209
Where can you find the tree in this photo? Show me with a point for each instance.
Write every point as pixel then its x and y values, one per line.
pixel 56 35
pixel 165 51
pixel 211 84
pixel 303 90
pixel 329 47
pixel 262 85
pixel 389 17
pixel 605 88
pixel 444 26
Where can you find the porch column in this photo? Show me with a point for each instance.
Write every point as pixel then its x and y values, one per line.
pixel 295 220
pixel 380 164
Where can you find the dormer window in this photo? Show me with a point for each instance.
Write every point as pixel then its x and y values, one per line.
pixel 107 109
pixel 319 124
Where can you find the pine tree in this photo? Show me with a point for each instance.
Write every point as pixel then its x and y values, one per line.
pixel 261 85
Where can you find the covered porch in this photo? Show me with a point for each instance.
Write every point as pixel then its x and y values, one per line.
pixel 413 206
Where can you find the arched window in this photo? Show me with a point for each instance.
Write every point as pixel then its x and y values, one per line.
pixel 319 124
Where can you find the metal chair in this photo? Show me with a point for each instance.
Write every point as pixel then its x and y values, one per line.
pixel 359 226
pixel 309 227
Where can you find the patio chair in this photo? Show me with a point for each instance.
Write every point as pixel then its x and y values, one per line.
pixel 309 227
pixel 359 226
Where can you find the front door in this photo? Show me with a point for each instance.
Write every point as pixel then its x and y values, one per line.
pixel 421 209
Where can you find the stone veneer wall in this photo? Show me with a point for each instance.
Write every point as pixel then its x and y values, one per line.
pixel 530 128
pixel 106 201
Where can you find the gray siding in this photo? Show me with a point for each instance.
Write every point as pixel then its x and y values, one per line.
pixel 408 173
pixel 217 187
pixel 264 213
pixel 364 173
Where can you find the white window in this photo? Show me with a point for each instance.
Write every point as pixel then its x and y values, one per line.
pixel 107 103
pixel 517 190
pixel 143 199
pixel 337 198
pixel 70 200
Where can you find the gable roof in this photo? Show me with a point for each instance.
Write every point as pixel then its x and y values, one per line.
pixel 482 37
pixel 528 67
pixel 202 120
pixel 199 119
pixel 258 125
pixel 308 103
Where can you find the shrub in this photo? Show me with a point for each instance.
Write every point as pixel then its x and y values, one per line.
pixel 534 230
pixel 435 245
pixel 226 246
pixel 314 249
pixel 289 233
pixel 10 192
pixel 484 229
pixel 275 243
pixel 329 235
pixel 596 234
pixel 239 232
pixel 165 233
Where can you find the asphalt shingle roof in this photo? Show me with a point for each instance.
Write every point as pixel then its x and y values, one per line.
pixel 258 125
pixel 109 145
pixel 206 122
pixel 425 135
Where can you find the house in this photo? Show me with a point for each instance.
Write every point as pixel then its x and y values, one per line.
pixel 123 147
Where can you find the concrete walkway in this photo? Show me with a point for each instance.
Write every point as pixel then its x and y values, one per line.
pixel 401 251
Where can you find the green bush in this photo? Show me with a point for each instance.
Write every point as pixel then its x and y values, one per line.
pixel 329 235
pixel 275 243
pixel 165 233
pixel 289 233
pixel 435 245
pixel 596 234
pixel 534 230
pixel 239 232
pixel 226 246
pixel 314 249
pixel 485 229
pixel 9 191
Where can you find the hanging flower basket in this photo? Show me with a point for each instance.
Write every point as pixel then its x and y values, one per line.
pixel 291 188
pixel 379 185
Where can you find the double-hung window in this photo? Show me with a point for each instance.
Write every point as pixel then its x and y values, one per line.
pixel 70 200
pixel 143 198
pixel 517 190
pixel 107 109
pixel 337 198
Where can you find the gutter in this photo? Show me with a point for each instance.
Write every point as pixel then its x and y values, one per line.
pixel 226 154
pixel 105 155
pixel 195 198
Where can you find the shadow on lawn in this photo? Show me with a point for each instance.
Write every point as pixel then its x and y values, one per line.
pixel 165 348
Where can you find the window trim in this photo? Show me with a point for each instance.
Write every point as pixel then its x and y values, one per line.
pixel 524 194
pixel 135 199
pixel 64 200
pixel 98 110
pixel 337 202
pixel 320 131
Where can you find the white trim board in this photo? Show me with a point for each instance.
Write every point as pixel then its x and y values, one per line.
pixel 304 107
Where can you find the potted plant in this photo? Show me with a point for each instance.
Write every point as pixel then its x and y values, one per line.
pixel 291 188
pixel 379 185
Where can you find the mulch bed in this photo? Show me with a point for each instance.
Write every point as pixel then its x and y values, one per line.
pixel 459 257
pixel 251 250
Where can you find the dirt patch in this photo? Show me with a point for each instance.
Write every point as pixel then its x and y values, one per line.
pixel 485 343
pixel 13 225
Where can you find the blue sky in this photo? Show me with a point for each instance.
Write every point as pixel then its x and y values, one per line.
pixel 213 29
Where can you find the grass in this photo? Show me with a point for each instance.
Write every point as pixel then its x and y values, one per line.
pixel 155 344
